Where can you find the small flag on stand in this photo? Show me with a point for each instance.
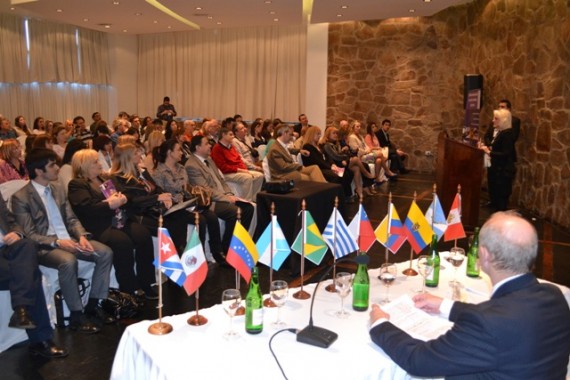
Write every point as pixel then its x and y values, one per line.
pixel 281 249
pixel 397 233
pixel 362 230
pixel 242 253
pixel 454 226
pixel 194 264
pixel 168 261
pixel 417 229
pixel 436 217
pixel 315 246
pixel 339 233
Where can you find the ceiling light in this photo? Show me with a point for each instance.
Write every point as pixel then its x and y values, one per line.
pixel 59 10
pixel 125 30
pixel 155 22
pixel 412 10
pixel 12 8
pixel 267 1
pixel 210 17
pixel 344 6
pixel 219 23
pixel 138 14
pixel 116 3
pixel 107 26
pixel 272 12
pixel 198 8
pixel 427 1
pixel 169 27
pixel 339 15
pixel 85 19
pixel 275 19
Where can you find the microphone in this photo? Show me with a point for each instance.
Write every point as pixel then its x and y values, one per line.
pixel 319 336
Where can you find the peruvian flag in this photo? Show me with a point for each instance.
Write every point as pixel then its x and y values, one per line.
pixel 454 226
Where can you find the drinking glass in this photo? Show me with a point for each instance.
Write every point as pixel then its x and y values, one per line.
pixel 425 267
pixel 456 257
pixel 231 301
pixel 279 290
pixel 343 283
pixel 387 276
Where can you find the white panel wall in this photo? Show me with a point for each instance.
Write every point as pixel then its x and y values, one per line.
pixel 317 66
pixel 123 52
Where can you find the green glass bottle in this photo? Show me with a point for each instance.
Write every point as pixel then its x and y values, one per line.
pixel 473 267
pixel 254 305
pixel 361 284
pixel 433 279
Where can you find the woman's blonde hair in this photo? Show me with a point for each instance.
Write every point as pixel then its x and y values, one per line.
pixel 126 139
pixel 154 139
pixel 7 148
pixel 123 164
pixel 310 134
pixel 80 162
pixel 327 135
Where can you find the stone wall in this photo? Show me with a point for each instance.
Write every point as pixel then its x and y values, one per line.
pixel 411 71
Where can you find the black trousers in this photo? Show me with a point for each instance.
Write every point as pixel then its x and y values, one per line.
pixel 500 183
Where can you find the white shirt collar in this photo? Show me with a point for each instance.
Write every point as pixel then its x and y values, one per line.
pixel 502 282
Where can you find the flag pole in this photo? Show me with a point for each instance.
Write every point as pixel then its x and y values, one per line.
pixel 459 192
pixel 159 328
pixel 331 287
pixel 197 319
pixel 441 266
pixel 410 271
pixel 388 226
pixel 240 310
pixel 268 302
pixel 302 294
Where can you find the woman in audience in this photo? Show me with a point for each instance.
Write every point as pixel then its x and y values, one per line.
pixel 171 176
pixel 65 172
pixel 330 170
pixel 358 146
pixel 49 128
pixel 363 179
pixel 21 127
pixel 39 126
pixel 255 132
pixel 11 164
pixel 43 141
pixel 171 130
pixel 110 225
pixel 154 139
pixel 104 147
pixel 146 201
pixel 60 137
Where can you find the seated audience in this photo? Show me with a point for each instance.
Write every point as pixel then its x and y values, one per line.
pixel 6 130
pixel 111 227
pixel 395 155
pixel 104 147
pixel 11 164
pixel 249 155
pixel 65 172
pixel 154 140
pixel 43 141
pixel 255 133
pixel 45 214
pixel 60 138
pixel 21 127
pixel 522 332
pixel 39 127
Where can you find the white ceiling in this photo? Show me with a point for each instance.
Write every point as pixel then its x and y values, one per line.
pixel 140 17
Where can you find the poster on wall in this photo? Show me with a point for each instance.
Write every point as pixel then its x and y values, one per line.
pixel 472 112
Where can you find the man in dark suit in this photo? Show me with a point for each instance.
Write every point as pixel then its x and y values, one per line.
pixel 43 211
pixel 522 332
pixel 395 155
pixel 202 171
pixel 19 273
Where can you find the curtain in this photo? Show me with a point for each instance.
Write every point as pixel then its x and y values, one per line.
pixel 256 72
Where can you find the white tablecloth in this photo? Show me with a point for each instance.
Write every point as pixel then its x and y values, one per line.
pixel 202 352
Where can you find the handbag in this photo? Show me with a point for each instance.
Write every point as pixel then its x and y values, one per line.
pixel 202 194
pixel 121 305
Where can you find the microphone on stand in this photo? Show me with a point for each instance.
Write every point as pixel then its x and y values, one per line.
pixel 319 336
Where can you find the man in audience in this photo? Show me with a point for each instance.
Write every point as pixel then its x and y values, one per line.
pixel 202 171
pixel 120 128
pixel 522 332
pixel 281 163
pixel 166 111
pixel 6 130
pixel 19 268
pixel 211 130
pixel 249 154
pixel 229 161
pixel 395 155
pixel 81 131
pixel 43 211
pixel 96 116
pixel 301 126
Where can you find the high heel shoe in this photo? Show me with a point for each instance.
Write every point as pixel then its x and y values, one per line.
pixel 368 191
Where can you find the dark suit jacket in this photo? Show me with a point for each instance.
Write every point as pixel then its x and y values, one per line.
pixel 503 154
pixel 384 139
pixel 280 161
pixel 199 174
pixel 31 214
pixel 522 332
pixel 89 206
pixel 7 224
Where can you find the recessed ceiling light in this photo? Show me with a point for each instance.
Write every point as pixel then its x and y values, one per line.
pixel 107 26
pixel 272 12
pixel 85 19
pixel 155 22
pixel 427 1
pixel 169 27
pixel 138 14
pixel 219 23
pixel 116 3
pixel 339 15
pixel 12 8
pixel 59 10
pixel 198 8
pixel 267 1
pixel 412 10
pixel 125 30
pixel 275 19
pixel 344 6
pixel 210 17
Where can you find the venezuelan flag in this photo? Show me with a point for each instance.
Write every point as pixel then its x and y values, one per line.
pixel 242 253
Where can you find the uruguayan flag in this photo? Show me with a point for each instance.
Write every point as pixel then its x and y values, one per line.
pixel 338 237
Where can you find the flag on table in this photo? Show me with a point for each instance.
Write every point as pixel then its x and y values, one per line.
pixel 242 253
pixel 392 223
pixel 194 264
pixel 454 226
pixel 281 249
pixel 168 261
pixel 315 246
pixel 436 217
pixel 417 229
pixel 338 237
pixel 362 230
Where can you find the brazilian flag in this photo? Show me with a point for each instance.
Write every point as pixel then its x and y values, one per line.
pixel 315 245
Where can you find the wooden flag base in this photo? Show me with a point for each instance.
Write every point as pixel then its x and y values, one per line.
pixel 268 302
pixel 410 272
pixel 197 320
pixel 301 295
pixel 160 328
pixel 331 288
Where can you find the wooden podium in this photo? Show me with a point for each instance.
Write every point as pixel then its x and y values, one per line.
pixel 459 164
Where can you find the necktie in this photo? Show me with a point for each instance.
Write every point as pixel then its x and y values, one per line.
pixel 54 216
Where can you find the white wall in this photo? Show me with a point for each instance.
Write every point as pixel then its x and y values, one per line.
pixel 123 52
pixel 317 68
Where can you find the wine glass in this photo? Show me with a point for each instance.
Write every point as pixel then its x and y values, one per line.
pixel 387 276
pixel 425 267
pixel 343 283
pixel 231 301
pixel 279 290
pixel 456 257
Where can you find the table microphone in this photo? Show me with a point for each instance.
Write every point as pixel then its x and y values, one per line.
pixel 314 335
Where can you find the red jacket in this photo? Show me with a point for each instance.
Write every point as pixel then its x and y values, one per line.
pixel 227 159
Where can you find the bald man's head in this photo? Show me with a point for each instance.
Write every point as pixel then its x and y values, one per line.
pixel 511 241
